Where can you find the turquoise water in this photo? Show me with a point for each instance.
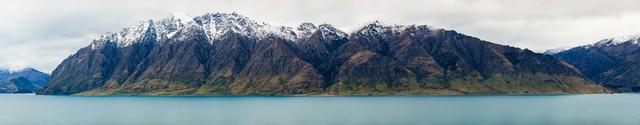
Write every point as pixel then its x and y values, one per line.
pixel 615 109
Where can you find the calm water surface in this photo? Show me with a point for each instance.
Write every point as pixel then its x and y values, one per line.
pixel 616 109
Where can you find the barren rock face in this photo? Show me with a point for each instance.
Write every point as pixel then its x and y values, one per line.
pixel 228 54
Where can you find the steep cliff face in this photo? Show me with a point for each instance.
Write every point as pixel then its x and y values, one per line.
pixel 26 80
pixel 229 54
pixel 613 62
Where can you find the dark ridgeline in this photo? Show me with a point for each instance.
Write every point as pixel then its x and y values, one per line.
pixel 614 63
pixel 229 54
pixel 26 80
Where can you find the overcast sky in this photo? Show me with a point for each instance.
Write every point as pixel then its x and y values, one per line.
pixel 41 33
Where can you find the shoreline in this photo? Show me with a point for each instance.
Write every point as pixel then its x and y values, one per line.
pixel 379 95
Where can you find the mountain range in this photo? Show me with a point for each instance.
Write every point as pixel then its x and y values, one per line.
pixel 26 80
pixel 230 54
pixel 612 62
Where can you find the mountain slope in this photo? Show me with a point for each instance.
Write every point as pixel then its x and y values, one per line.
pixel 25 80
pixel 611 62
pixel 229 54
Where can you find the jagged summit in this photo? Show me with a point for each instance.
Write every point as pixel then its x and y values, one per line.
pixel 214 26
pixel 556 50
pixel 379 27
pixel 12 69
pixel 327 30
pixel 631 39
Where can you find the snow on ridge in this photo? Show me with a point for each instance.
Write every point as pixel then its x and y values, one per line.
pixel 14 68
pixel 305 30
pixel 169 27
pixel 127 36
pixel 556 50
pixel 216 25
pixel 633 39
pixel 327 30
pixel 380 28
pixel 629 38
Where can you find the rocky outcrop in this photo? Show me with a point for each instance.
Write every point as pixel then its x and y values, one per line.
pixel 229 54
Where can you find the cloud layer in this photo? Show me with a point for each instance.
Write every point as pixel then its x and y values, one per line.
pixel 41 33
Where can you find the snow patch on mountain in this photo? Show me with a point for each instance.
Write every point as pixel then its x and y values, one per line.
pixel 556 50
pixel 393 30
pixel 305 30
pixel 10 70
pixel 613 41
pixel 632 39
pixel 329 32
pixel 378 27
pixel 13 68
pixel 215 26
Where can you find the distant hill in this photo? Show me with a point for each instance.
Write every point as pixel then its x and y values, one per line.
pixel 613 62
pixel 26 80
pixel 229 54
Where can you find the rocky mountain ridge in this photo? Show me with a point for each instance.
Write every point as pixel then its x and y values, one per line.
pixel 229 54
pixel 612 62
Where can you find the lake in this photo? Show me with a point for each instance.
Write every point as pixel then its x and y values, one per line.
pixel 609 109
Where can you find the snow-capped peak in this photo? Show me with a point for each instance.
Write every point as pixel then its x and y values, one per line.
pixel 392 30
pixel 329 32
pixel 633 39
pixel 556 50
pixel 305 30
pixel 128 36
pixel 14 68
pixel 379 27
pixel 214 26
pixel 171 26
